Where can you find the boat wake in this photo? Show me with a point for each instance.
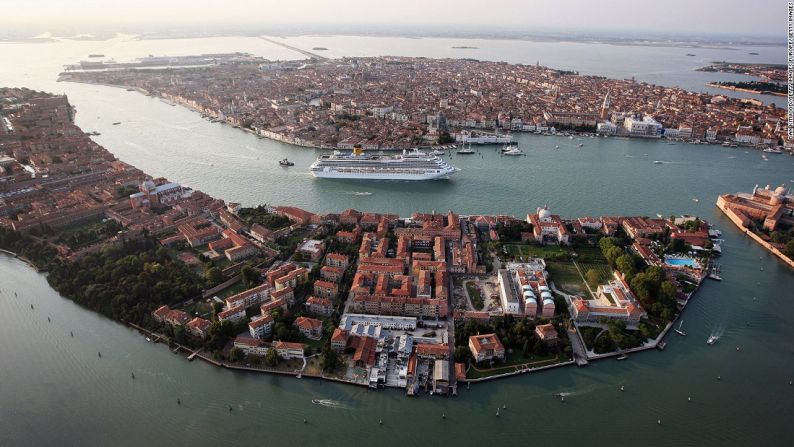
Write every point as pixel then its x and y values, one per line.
pixel 329 403
pixel 716 333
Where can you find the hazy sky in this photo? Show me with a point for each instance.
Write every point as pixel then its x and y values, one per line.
pixel 746 17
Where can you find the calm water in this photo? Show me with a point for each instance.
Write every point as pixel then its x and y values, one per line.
pixel 55 390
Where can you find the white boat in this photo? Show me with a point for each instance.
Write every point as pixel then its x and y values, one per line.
pixel 437 152
pixel 696 200
pixel 465 150
pixel 410 165
pixel 775 150
pixel 659 215
pixel 657 162
pixel 712 339
pixel 362 193
pixel 514 151
pixel 678 329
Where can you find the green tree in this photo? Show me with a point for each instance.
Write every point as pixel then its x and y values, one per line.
pixel 271 358
pixel 236 355
pixel 214 276
pixel 612 254
pixel 667 291
pixel 789 250
pixel 593 277
pixel 625 264
pixel 445 138
pixel 329 359
pixel 250 276
pixel 462 354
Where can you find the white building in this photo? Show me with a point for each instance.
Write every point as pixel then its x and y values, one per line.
pixel 607 128
pixel 261 327
pixel 384 321
pixel 508 292
pixel 645 127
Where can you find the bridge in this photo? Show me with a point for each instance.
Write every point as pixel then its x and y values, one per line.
pixel 308 54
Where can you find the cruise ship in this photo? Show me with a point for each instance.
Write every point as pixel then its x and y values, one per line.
pixel 411 165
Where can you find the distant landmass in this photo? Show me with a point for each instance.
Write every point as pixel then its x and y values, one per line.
pixel 464 47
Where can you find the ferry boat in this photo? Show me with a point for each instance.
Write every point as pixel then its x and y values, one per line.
pixel 410 165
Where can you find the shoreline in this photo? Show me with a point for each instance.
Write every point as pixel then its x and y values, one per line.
pixel 299 143
pixel 738 222
pixel 192 353
pixel 745 90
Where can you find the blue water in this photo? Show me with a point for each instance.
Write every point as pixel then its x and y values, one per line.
pixel 688 262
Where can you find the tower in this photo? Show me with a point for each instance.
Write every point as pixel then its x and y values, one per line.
pixel 605 107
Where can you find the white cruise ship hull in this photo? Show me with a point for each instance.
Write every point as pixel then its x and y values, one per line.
pixel 410 166
pixel 383 175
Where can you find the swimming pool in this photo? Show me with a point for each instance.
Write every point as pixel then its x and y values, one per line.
pixel 681 262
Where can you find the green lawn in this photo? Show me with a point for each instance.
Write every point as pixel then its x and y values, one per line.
pixel 536 251
pixel 566 277
pixel 475 294
pixel 232 290
pixel 589 254
pixel 513 362
pixel 603 269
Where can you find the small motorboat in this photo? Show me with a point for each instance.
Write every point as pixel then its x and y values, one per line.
pixel 712 339
pixel 117 123
pixel 658 162
pixel 437 152
pixel 362 193
pixel 678 329
pixel 286 162
pixel 513 151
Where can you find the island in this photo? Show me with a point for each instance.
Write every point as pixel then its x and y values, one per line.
pixel 423 303
pixel 759 87
pixel 766 215
pixel 771 72
pixel 399 103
